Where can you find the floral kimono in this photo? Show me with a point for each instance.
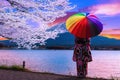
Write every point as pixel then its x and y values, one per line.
pixel 82 56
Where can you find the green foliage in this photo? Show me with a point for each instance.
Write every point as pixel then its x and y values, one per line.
pixel 13 67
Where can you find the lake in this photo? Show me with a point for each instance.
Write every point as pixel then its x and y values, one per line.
pixel 105 63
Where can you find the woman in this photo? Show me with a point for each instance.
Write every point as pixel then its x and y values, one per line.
pixel 82 55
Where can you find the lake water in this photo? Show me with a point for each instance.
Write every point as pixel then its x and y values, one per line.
pixel 105 63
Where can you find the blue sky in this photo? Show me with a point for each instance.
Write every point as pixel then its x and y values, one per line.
pixel 83 3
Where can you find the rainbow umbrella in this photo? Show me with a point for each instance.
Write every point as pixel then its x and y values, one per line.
pixel 84 25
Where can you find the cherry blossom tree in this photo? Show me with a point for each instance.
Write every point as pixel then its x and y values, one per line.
pixel 26 21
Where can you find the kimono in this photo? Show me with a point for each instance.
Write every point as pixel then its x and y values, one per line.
pixel 82 56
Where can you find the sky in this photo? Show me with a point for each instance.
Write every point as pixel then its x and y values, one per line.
pixel 106 10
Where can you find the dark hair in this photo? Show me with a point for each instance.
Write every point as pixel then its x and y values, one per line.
pixel 82 40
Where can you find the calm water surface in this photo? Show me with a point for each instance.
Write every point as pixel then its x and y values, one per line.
pixel 105 63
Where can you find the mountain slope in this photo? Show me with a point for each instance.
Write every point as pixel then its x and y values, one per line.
pixel 67 39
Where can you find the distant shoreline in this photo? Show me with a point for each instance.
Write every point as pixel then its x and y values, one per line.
pixel 54 49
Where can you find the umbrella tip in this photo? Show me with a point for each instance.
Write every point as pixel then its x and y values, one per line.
pixel 85 13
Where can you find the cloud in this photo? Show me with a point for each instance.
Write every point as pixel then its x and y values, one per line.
pixel 2 38
pixel 115 36
pixel 112 33
pixel 106 9
pixel 62 19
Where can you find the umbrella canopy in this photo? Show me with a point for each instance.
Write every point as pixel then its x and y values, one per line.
pixel 84 25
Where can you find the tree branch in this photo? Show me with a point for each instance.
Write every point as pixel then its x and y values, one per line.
pixel 17 5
